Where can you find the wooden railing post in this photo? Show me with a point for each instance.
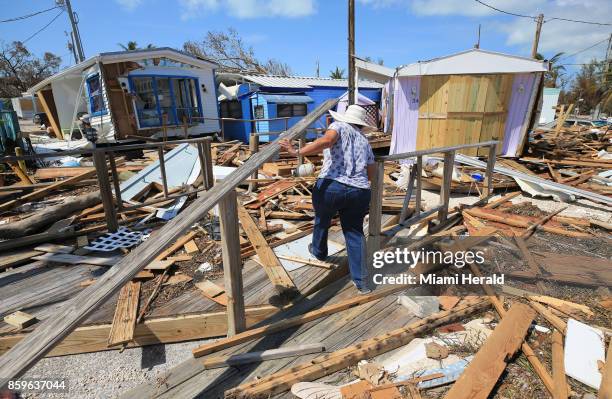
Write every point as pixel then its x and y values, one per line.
pixel 162 169
pixel 232 263
pixel 445 188
pixel 419 186
pixel 375 218
pixel 302 143
pixel 488 191
pixel 99 158
pixel 205 156
pixel 254 148
pixel 115 177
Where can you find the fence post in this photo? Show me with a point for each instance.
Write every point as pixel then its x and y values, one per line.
pixel 445 188
pixel 232 263
pixel 254 148
pixel 375 218
pixel 99 158
pixel 488 191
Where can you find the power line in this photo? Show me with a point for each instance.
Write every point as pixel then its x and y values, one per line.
pixel 28 15
pixel 535 18
pixel 584 49
pixel 579 21
pixel 43 28
pixel 505 12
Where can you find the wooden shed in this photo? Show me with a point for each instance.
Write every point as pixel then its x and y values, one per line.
pixel 469 97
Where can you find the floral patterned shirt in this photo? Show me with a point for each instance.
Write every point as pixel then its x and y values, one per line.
pixel 347 159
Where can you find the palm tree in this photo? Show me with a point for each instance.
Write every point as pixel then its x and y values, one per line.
pixel 550 79
pixel 337 74
pixel 132 45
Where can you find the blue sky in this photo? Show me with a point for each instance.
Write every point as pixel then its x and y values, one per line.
pixel 300 32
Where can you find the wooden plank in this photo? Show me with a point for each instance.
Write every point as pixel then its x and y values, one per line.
pixel 309 261
pixel 21 357
pixel 270 354
pixel 124 321
pixel 488 364
pixel 294 321
pixel 54 248
pixel 232 262
pixel 558 367
pixel 159 264
pixel 178 244
pixel 340 359
pixel 48 104
pixel 151 331
pixel 213 292
pixel 553 319
pixel 20 319
pixel 45 190
pixel 16 259
pixel 269 261
pixel 191 247
pixel 77 259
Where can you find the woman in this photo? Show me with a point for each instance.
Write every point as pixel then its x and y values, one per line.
pixel 342 187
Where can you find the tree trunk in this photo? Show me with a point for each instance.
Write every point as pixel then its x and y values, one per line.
pixel 47 216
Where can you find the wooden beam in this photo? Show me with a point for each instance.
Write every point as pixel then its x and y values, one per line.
pixel 255 357
pixel 152 331
pixel 232 263
pixel 558 367
pixel 124 322
pixel 268 259
pixel 489 363
pixel 445 187
pixel 255 333
pixel 48 104
pixel 50 332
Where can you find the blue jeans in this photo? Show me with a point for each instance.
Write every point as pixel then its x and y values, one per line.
pixel 328 197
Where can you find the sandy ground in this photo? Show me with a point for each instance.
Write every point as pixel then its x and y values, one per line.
pixel 108 374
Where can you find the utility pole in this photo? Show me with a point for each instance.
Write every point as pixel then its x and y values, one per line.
pixel 351 52
pixel 477 45
pixel 607 70
pixel 536 39
pixel 75 30
pixel 318 69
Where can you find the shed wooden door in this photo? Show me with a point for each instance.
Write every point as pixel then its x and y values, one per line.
pixel 462 109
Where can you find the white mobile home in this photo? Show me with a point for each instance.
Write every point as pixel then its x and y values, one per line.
pixel 132 94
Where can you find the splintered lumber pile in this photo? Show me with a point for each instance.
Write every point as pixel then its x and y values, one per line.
pixel 340 359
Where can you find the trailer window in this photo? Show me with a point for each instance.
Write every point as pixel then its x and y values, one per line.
pixel 289 110
pixel 166 100
pixel 96 100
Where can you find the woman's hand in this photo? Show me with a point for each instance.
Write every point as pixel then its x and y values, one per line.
pixel 287 146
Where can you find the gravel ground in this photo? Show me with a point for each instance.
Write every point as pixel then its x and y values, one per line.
pixel 109 374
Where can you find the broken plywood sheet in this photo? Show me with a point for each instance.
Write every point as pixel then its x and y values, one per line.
pixel 182 167
pixel 299 249
pixel 584 348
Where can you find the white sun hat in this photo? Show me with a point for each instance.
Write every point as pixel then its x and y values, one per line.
pixel 354 114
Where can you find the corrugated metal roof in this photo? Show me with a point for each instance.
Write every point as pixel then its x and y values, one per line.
pixel 287 98
pixel 298 82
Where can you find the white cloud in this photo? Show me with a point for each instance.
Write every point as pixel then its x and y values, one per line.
pixel 556 36
pixel 251 8
pixel 129 4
